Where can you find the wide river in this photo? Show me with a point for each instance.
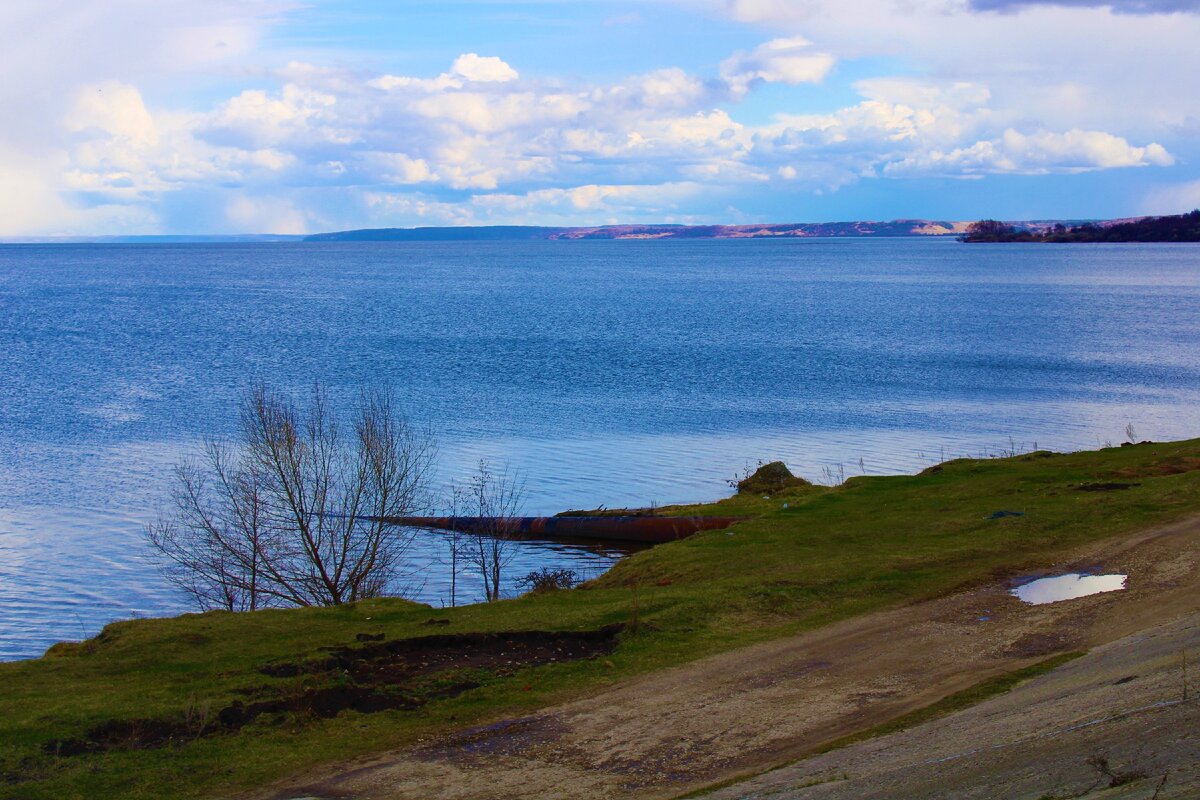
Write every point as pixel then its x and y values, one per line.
pixel 607 373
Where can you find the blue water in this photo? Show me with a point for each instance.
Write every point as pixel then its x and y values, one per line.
pixel 615 373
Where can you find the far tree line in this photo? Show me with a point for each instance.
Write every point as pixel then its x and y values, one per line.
pixel 1176 228
pixel 292 511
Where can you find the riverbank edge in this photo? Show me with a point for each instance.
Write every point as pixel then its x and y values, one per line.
pixel 677 602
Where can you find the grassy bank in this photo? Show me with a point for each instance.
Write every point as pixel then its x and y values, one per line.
pixel 206 704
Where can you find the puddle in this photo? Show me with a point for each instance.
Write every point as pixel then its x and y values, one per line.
pixel 1068 587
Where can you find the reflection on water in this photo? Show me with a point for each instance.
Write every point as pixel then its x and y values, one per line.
pixel 64 575
pixel 429 566
pixel 1067 587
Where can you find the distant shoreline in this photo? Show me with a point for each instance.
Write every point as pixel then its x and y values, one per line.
pixel 1185 227
pixel 802 230
pixel 513 233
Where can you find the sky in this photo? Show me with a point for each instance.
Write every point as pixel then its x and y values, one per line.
pixel 267 116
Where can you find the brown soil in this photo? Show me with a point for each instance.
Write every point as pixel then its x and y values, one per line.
pixel 395 662
pixel 1113 724
pixel 1176 465
pixel 742 712
pixel 380 676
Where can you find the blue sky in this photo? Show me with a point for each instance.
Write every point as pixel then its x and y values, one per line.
pixel 137 116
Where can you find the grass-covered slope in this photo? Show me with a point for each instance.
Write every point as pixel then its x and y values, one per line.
pixel 205 704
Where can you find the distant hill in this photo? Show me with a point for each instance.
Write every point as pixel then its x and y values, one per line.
pixel 1181 228
pixel 504 233
pixel 1175 228
pixel 909 227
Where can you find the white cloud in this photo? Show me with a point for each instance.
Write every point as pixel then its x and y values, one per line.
pixel 77 136
pixel 467 68
pixel 258 118
pixel 596 202
pixel 1037 153
pixel 483 69
pixel 924 93
pixel 1052 66
pixel 122 150
pixel 589 204
pixel 395 210
pixel 50 52
pixel 266 215
pixel 31 203
pixel 518 143
pixel 490 113
pixel 712 132
pixel 481 141
pixel 114 109
pixel 390 83
pixel 399 168
pixel 1119 6
pixel 29 200
pixel 789 60
pixel 772 11
pixel 664 88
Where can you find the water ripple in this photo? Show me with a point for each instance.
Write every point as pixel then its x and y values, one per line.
pixel 607 373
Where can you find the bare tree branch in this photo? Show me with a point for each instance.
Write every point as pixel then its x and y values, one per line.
pixel 290 516
pixel 494 498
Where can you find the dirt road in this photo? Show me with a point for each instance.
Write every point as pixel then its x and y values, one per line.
pixel 1117 716
pixel 742 712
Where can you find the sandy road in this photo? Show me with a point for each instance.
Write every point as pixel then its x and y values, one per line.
pixel 741 712
pixel 1123 703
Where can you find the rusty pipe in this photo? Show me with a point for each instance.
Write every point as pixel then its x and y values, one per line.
pixel 651 530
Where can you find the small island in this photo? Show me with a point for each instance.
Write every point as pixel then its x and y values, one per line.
pixel 1175 228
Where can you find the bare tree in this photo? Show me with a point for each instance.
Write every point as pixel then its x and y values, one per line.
pixel 294 514
pixel 492 500
pixel 454 538
pixel 213 541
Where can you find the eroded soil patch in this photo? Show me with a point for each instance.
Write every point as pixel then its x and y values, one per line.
pixel 1175 465
pixel 377 676
pixel 501 653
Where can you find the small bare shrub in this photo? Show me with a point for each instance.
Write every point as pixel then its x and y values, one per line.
pixel 548 580
pixel 833 475
pixel 493 499
pixel 196 716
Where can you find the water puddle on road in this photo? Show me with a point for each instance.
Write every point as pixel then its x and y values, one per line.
pixel 1068 587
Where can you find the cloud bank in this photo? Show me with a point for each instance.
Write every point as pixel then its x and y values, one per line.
pixel 480 143
pixel 1119 6
pixel 307 145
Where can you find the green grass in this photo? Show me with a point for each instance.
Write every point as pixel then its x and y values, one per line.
pixel 832 553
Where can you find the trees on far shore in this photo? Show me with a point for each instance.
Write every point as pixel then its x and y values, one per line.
pixel 1176 228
